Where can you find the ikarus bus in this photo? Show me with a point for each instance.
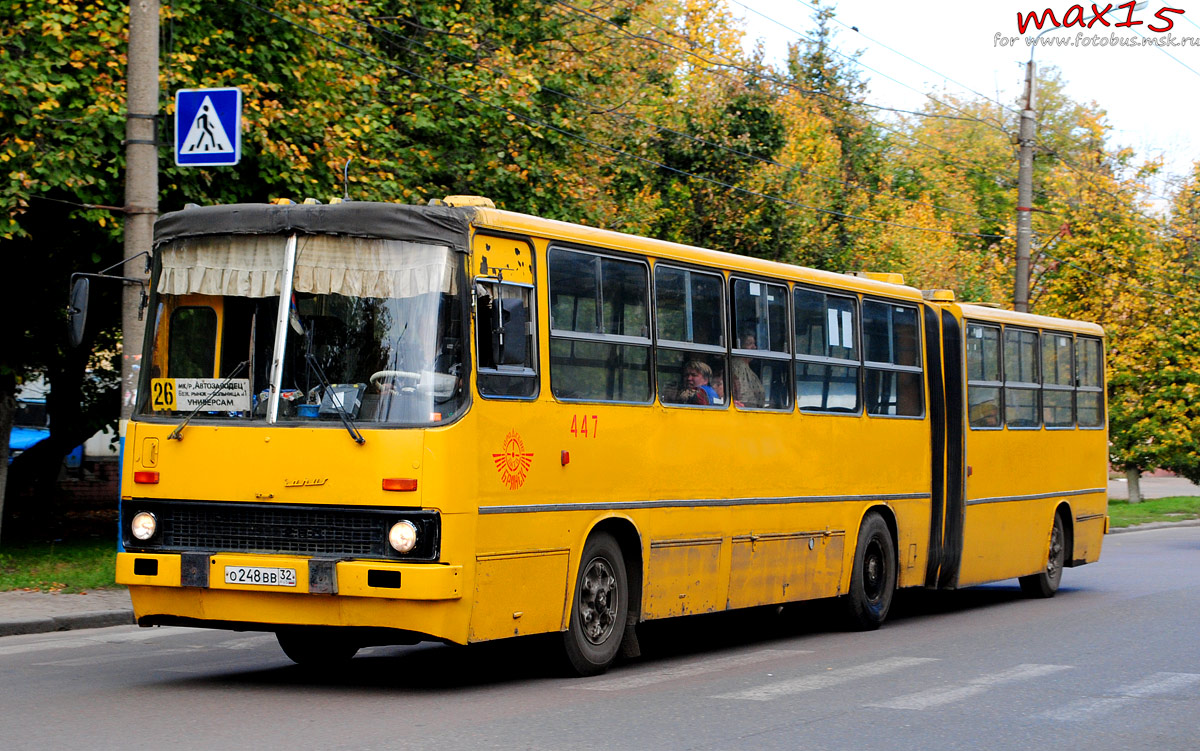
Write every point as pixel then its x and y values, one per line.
pixel 374 423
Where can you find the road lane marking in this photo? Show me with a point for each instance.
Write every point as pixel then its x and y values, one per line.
pixel 687 670
pixel 826 680
pixel 40 646
pixel 936 697
pixel 249 642
pixel 97 638
pixel 106 659
pixel 1152 685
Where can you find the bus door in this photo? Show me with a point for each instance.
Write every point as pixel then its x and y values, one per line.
pixel 943 345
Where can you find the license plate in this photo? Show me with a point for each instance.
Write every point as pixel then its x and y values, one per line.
pixel 263 577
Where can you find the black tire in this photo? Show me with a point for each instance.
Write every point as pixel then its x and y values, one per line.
pixel 316 648
pixel 599 607
pixel 1045 583
pixel 873 579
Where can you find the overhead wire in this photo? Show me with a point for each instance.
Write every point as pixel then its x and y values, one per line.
pixel 612 111
pixel 605 147
pixel 964 115
pixel 1168 54
pixel 938 73
pixel 772 79
pixel 855 60
pixel 619 152
pixel 1157 221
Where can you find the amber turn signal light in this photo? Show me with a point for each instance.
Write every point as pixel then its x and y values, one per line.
pixel 400 483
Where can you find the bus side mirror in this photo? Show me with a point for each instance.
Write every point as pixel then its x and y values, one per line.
pixel 509 342
pixel 78 310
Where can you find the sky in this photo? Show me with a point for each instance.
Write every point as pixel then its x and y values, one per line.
pixel 1152 100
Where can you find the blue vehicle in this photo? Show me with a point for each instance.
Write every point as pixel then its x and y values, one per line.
pixel 31 426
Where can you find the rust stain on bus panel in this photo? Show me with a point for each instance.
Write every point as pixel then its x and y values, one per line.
pixel 775 568
pixel 682 578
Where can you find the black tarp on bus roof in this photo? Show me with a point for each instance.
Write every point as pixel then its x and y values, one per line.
pixel 435 225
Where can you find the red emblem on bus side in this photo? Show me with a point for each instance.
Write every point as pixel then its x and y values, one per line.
pixel 514 462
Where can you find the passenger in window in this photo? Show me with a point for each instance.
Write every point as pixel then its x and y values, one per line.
pixel 747 387
pixel 718 384
pixel 696 387
pixel 984 415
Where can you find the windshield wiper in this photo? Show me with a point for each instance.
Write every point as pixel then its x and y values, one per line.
pixel 338 406
pixel 177 433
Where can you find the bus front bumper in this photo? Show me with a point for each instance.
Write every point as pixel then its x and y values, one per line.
pixel 272 591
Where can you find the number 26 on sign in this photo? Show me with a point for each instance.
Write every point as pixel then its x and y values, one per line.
pixel 584 426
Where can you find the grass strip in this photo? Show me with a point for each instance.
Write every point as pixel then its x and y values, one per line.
pixel 1179 508
pixel 58 566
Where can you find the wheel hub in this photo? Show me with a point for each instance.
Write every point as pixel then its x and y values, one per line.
pixel 598 601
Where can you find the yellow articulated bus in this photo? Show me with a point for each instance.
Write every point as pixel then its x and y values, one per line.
pixel 370 423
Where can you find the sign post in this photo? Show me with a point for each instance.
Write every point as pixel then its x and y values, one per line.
pixel 208 127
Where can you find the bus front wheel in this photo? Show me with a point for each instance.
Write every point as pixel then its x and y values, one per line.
pixel 315 647
pixel 1045 582
pixel 599 607
pixel 873 579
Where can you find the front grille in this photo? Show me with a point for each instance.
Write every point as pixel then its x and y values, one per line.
pixel 322 531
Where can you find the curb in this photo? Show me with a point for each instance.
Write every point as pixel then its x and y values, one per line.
pixel 47 624
pixel 1154 525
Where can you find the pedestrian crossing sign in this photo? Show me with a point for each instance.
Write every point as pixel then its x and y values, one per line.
pixel 208 127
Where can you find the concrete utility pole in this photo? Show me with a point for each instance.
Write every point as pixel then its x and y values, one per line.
pixel 1025 192
pixel 1025 139
pixel 141 183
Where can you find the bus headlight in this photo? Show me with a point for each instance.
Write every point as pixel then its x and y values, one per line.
pixel 144 525
pixel 403 536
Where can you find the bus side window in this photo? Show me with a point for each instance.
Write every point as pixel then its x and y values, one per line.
pixel 599 327
pixel 891 345
pixel 192 350
pixel 760 373
pixel 1022 384
pixel 506 340
pixel 690 313
pixel 1058 384
pixel 827 357
pixel 1089 396
pixel 983 376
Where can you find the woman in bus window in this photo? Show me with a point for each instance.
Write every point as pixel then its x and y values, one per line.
pixel 696 388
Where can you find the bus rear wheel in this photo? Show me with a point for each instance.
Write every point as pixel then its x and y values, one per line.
pixel 599 607
pixel 1045 583
pixel 873 579
pixel 318 648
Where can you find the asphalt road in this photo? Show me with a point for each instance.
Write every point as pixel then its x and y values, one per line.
pixel 1112 662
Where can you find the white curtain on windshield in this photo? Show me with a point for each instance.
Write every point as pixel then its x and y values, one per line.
pixel 238 265
pixel 252 266
pixel 365 267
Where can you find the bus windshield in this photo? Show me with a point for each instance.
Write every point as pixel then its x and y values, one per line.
pixel 370 330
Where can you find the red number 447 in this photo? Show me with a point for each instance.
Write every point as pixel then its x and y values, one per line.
pixel 580 427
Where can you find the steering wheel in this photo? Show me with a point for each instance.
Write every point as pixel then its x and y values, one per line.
pixel 378 376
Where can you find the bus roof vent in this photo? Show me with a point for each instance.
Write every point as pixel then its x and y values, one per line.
pixel 469 201
pixel 878 276
pixel 938 295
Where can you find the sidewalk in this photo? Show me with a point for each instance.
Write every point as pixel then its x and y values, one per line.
pixel 1152 487
pixel 40 612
